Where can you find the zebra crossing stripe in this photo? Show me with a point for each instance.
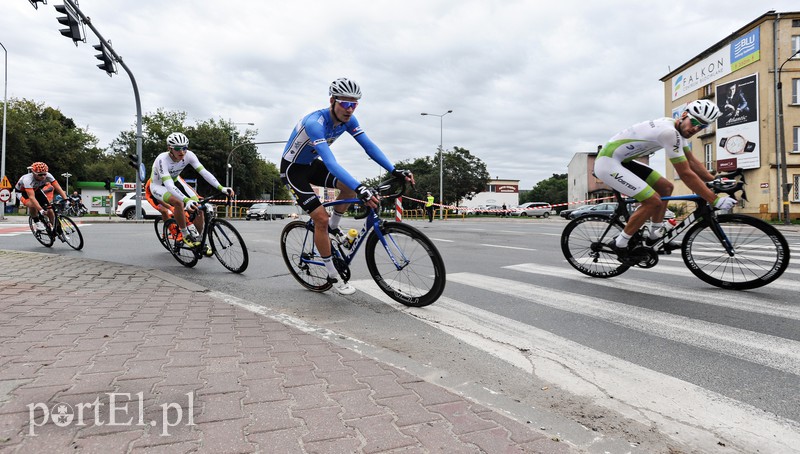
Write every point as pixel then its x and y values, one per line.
pixel 747 302
pixel 689 413
pixel 778 353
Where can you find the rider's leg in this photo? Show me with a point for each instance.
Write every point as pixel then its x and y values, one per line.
pixel 664 188
pixel 339 210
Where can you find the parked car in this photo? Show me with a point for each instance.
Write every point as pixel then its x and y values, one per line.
pixel 126 208
pixel 258 211
pixel 566 212
pixel 600 208
pixel 538 209
pixel 494 210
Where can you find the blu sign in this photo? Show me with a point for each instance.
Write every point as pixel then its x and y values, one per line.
pixel 746 50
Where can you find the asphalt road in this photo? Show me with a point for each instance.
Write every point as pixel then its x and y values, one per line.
pixel 654 357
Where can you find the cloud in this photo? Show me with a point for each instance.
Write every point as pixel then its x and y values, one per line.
pixel 530 83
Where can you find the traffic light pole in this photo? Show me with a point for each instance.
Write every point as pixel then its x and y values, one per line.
pixel 110 49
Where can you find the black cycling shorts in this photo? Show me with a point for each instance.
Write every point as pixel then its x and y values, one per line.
pixel 300 177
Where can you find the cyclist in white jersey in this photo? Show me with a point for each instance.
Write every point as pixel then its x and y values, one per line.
pixel 166 169
pixel 615 165
pixel 31 187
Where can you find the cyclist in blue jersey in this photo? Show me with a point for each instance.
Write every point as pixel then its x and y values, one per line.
pixel 308 159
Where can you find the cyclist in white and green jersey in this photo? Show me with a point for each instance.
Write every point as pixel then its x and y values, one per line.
pixel 164 187
pixel 615 165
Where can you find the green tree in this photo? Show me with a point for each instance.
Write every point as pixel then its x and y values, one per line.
pixel 213 141
pixel 464 175
pixel 552 190
pixel 35 132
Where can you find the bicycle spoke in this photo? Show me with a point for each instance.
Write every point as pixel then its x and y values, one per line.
pixel 228 246
pixel 760 253
pixel 407 267
pixel 299 254
pixel 582 246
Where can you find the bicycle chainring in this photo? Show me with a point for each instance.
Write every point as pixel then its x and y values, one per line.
pixel 643 257
pixel 341 267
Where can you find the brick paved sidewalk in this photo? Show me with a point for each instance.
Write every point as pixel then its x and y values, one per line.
pixel 100 357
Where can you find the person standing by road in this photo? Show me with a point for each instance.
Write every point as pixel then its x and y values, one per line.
pixel 429 206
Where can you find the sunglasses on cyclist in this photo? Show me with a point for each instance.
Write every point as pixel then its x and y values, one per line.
pixel 347 104
pixel 696 122
pixel 180 148
pixel 41 174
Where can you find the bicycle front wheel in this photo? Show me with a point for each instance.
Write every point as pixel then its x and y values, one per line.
pixel 409 269
pixel 185 255
pixel 70 233
pixel 583 245
pixel 760 253
pixel 302 258
pixel 43 237
pixel 228 245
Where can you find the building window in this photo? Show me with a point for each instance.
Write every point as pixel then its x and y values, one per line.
pixel 795 194
pixel 795 91
pixel 795 22
pixel 795 139
pixel 795 45
pixel 708 156
pixel 708 91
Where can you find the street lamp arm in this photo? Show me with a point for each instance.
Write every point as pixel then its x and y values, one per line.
pixel 228 161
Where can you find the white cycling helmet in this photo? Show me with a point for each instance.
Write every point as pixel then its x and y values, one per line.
pixel 177 139
pixel 703 110
pixel 344 88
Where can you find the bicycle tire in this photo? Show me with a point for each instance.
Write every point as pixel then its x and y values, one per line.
pixel 583 247
pixel 160 233
pixel 421 280
pixel 70 232
pixel 297 247
pixel 185 255
pixel 761 253
pixel 43 237
pixel 228 245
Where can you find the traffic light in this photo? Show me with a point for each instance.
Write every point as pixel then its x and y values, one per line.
pixel 35 3
pixel 105 57
pixel 72 21
pixel 108 184
pixel 133 161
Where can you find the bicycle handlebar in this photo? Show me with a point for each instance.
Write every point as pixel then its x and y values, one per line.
pixel 729 183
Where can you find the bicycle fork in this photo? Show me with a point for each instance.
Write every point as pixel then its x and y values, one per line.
pixel 403 261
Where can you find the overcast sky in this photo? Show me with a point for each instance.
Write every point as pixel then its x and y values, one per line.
pixel 530 83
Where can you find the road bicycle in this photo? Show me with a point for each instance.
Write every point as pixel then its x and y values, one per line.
pixel 407 266
pixel 731 251
pixel 62 228
pixel 225 241
pixel 77 210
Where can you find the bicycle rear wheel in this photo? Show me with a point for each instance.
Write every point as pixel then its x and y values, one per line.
pixel 583 245
pixel 70 233
pixel 302 258
pixel 761 253
pixel 43 237
pixel 185 255
pixel 160 233
pixel 228 245
pixel 410 269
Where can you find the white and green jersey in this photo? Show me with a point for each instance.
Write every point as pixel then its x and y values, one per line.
pixel 166 171
pixel 646 138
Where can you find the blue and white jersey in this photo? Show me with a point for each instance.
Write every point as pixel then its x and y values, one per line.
pixel 313 135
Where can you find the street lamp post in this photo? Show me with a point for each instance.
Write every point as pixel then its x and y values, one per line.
pixel 441 152
pixel 228 161
pixel 66 175
pixel 786 186
pixel 5 110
